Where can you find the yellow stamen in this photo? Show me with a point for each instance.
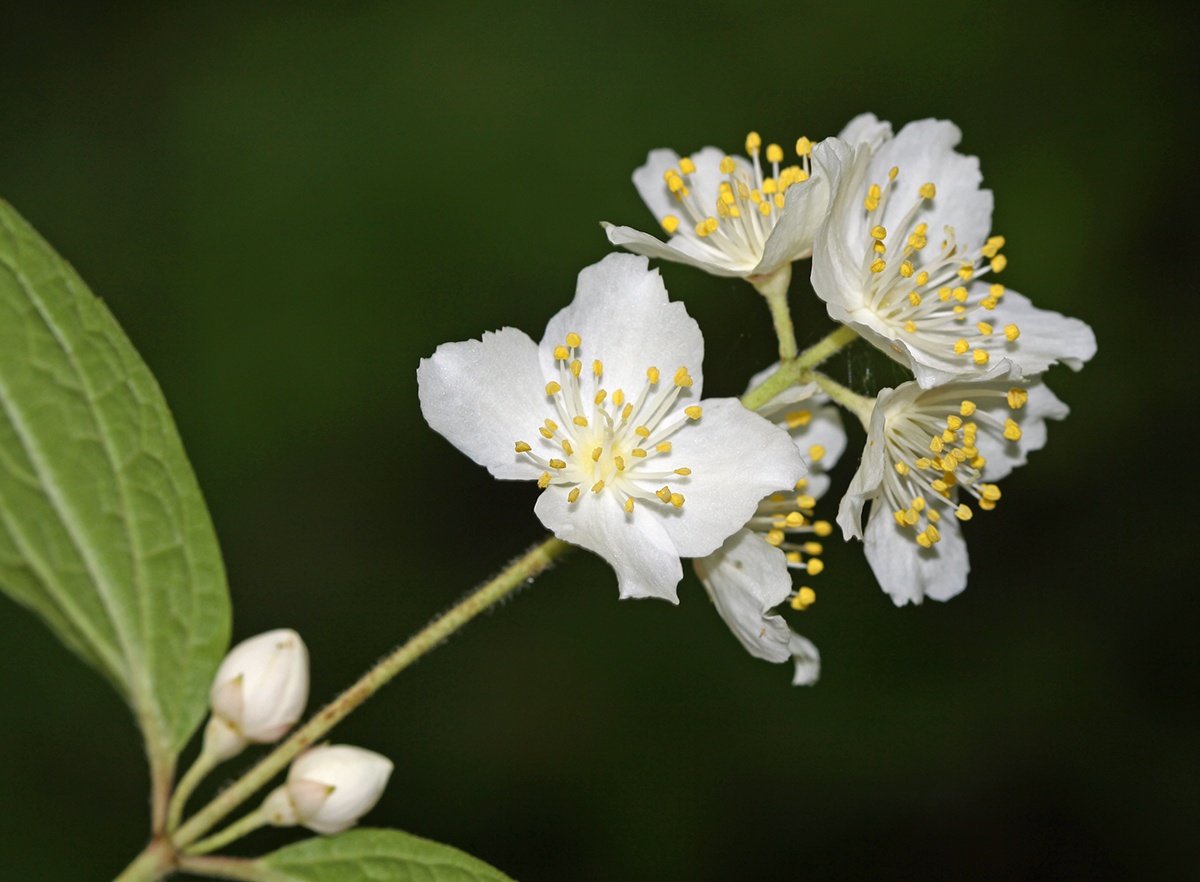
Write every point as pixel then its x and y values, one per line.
pixel 1017 398
pixel 999 262
pixel 557 464
pixel 879 265
pixel 552 388
pixel 620 462
pixel 1011 332
pixel 670 223
pixel 546 433
pixel 816 452
pixel 637 451
pixel 980 356
pixel 567 448
pixel 561 353
pixel 910 326
pixel 728 165
pixel 677 500
pixel 665 447
pixel 544 480
pixel 683 472
pixel 573 340
pixel 822 528
pixel 596 452
pixel 984 328
pixel 652 373
pixel 775 537
pixel 580 421
pixel 642 432
pixel 1011 430
pixel 629 505
pixel 815 565
pixel 928 191
pixel 961 346
pixel 573 496
pixel 803 146
pixel 522 447
pixel 576 366
pixel 693 412
pixel 753 142
pixel 906 269
pixel 805 501
pixel 687 166
pixel 682 378
pixel 878 232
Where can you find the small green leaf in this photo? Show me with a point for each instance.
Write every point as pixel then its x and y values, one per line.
pixel 378 855
pixel 103 530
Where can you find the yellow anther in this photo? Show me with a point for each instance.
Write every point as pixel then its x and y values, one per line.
pixel 928 191
pixel 596 452
pixel 764 208
pixel 923 540
pixel 599 399
pixel 567 448
pixel 949 435
pixel 871 203
pixel 670 223
pixel 874 192
pixel 940 486
pixel 813 548
pixel 899 516
pixel 683 472
pixel 801 484
pixel 815 565
pixel 561 353
pixel 999 262
pixel 967 408
pixel 728 165
pixel 960 312
pixel 879 247
pixel 932 532
pixel 988 303
pixel 879 265
pixel 963 512
pixel 573 496
pixel 933 515
pixel 902 468
pixel 598 486
pixel 753 142
pixel 702 229
pixel 665 447
pixel 652 374
pixel 944 293
pixel 804 598
pixel 664 494
pixel 711 224
pixel 911 517
pixel 677 500
pixel 774 153
pixel 546 433
pixel 949 479
pixel 878 232
pixel 822 528
pixel 687 166
pixel 914 298
pixel 895 170
pixel 965 272
pixel 780 200
pixel 923 463
pixel 961 346
pixel 803 146
pixel 918 503
pixel 670 173
pixel 990 492
pixel 769 187
pixel 994 244
pixel 557 464
pixel 980 356
pixel 967 451
pixel 693 412
pixel 970 429
pixel 620 463
pixel 675 183
pixel 960 294
pixel 954 422
pixel 627 411
pixel 553 388
pixel 805 501
pixel 642 431
pixel 637 451
pixel 580 421
pixel 573 340
pixel 629 505
pixel 986 504
pixel 906 269
pixel 910 326
pixel 522 447
pixel 755 196
pixel 618 398
pixel 682 378
pixel 917 243
pixel 996 291
pixel 544 480
pixel 775 537
pixel 1011 430
pixel 550 424
pixel 816 452
pixel 576 367
pixel 794 519
pixel 1017 398
pixel 984 328
pixel 1011 332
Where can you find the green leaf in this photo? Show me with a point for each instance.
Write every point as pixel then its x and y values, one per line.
pixel 103 530
pixel 377 855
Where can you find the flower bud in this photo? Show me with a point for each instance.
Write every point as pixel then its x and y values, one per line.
pixel 259 692
pixel 329 788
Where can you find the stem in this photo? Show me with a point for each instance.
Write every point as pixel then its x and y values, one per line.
pixel 792 372
pixel 535 561
pixel 858 405
pixel 205 763
pixel 775 287
pixel 229 868
pixel 236 830
pixel 162 773
pixel 152 864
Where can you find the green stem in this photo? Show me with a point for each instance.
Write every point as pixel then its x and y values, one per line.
pixel 792 372
pixel 859 405
pixel 204 764
pixel 229 868
pixel 157 861
pixel 774 288
pixel 236 830
pixel 535 561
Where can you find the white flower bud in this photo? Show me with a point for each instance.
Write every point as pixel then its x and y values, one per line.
pixel 259 692
pixel 329 788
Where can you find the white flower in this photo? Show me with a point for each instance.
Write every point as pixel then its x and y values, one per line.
pixel 724 215
pixel 259 692
pixel 749 575
pixel 905 258
pixel 926 450
pixel 329 788
pixel 632 464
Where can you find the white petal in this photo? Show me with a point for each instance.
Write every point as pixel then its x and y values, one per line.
pixel 736 458
pixel 868 480
pixel 924 153
pixel 680 249
pixel 651 182
pixel 635 545
pixel 867 129
pixel 805 205
pixel 1003 455
pixel 908 572
pixel 824 430
pixel 484 396
pixel 625 320
pixel 807 658
pixel 840 241
pixel 1046 336
pixel 745 578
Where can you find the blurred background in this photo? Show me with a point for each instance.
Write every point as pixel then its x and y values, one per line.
pixel 287 205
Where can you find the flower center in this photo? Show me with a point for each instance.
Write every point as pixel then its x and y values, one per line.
pixel 748 204
pixel 924 293
pixel 612 443
pixel 932 447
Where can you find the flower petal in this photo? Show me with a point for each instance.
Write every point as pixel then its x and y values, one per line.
pixel 651 182
pixel 807 658
pixel 485 395
pixel 679 249
pixel 736 458
pixel 1003 455
pixel 1046 336
pixel 805 204
pixel 635 545
pixel 866 128
pixel 745 578
pixel 908 572
pixel 840 240
pixel 622 313
pixel 867 481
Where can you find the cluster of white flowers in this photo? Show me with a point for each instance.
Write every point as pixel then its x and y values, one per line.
pixel 605 413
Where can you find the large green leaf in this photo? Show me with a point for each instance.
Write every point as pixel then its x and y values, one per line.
pixel 103 531
pixel 378 855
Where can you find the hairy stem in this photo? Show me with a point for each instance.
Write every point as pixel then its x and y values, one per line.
pixel 157 861
pixel 205 763
pixel 858 405
pixel 775 288
pixel 798 369
pixel 239 828
pixel 535 561
pixel 228 868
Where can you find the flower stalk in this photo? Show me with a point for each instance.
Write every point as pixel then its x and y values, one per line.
pixel 774 288
pixel 799 368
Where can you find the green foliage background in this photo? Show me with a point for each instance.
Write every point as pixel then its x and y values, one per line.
pixel 287 205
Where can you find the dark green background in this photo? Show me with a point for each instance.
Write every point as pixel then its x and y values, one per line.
pixel 288 205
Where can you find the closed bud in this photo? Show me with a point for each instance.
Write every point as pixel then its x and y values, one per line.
pixel 329 788
pixel 259 692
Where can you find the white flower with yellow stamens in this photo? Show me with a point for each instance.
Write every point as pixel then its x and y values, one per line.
pixel 932 458
pixel 605 415
pixel 728 215
pixel 905 257
pixel 750 574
